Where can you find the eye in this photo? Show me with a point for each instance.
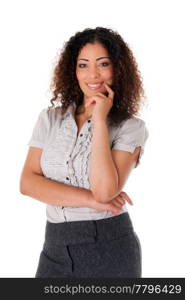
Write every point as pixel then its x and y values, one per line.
pixel 105 64
pixel 82 65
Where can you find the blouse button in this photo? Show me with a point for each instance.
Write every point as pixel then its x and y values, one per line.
pixel 67 178
pixel 81 134
pixel 89 121
pixel 66 162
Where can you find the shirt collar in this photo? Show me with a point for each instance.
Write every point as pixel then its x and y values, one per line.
pixel 71 109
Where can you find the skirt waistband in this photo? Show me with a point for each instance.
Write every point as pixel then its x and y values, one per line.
pixel 78 232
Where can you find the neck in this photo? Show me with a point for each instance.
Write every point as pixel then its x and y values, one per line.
pixel 81 111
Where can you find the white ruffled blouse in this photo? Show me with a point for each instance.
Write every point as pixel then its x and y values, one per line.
pixel 66 157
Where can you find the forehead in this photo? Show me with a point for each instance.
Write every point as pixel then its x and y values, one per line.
pixel 93 50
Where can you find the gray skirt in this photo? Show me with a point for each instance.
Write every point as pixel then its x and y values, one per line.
pixel 106 248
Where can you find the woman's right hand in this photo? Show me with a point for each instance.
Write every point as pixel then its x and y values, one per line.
pixel 115 205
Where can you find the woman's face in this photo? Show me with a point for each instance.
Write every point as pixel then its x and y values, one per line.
pixel 93 69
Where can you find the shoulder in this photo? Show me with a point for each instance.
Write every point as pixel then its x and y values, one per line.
pixel 131 133
pixel 134 124
pixel 132 130
pixel 49 116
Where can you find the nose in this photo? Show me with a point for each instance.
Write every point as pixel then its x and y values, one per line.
pixel 93 72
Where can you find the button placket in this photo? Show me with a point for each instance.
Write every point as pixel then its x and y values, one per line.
pixel 78 147
pixel 68 163
pixel 71 171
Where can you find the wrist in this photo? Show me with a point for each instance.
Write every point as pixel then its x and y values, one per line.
pixel 99 124
pixel 100 121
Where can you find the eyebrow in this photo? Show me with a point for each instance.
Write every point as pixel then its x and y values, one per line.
pixel 96 59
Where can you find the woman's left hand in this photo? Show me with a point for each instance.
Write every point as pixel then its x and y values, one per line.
pixel 102 104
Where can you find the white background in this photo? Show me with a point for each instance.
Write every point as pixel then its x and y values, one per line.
pixel 32 33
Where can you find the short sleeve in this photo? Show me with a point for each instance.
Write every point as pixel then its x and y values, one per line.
pixel 40 130
pixel 131 134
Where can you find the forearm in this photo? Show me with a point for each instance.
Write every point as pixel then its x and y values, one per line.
pixel 103 173
pixel 55 193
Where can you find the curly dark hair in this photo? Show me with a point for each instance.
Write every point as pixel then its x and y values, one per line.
pixel 127 81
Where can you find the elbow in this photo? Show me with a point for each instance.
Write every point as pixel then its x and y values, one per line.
pixel 105 194
pixel 22 190
pixel 104 198
pixel 22 186
pixel 97 196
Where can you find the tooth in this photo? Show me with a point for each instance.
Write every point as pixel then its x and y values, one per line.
pixel 94 85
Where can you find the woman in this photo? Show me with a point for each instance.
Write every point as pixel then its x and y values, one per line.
pixel 81 154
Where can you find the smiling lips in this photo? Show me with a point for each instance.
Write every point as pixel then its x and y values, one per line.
pixel 94 86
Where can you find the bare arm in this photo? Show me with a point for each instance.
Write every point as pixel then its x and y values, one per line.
pixel 53 192
pixel 103 173
pixel 108 171
pixel 35 185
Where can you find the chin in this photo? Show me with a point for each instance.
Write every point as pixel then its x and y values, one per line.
pixel 96 91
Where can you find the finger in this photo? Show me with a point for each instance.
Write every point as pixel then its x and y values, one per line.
pixel 101 95
pixel 109 90
pixel 121 200
pixel 127 198
pixel 114 209
pixel 93 100
pixel 104 97
pixel 117 203
pixel 89 103
pixel 115 213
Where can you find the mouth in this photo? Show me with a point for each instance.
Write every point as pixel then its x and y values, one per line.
pixel 95 86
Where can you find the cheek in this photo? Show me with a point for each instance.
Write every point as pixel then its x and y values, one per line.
pixel 108 74
pixel 109 78
pixel 80 76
